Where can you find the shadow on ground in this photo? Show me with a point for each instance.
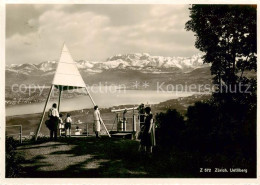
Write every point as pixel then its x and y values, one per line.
pixel 86 157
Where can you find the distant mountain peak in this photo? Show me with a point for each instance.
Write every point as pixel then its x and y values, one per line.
pixel 143 62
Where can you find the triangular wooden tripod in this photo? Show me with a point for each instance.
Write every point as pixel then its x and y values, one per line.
pixel 66 77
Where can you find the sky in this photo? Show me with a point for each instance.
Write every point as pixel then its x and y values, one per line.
pixel 36 32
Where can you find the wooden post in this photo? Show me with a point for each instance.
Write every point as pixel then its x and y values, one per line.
pixel 124 125
pixel 117 122
pixel 134 126
pixel 87 129
pixel 59 99
pixel 21 134
pixel 40 124
pixel 134 123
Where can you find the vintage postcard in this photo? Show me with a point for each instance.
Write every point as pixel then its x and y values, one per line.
pixel 129 92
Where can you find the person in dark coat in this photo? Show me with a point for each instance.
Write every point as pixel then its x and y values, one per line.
pixel 54 121
pixel 148 138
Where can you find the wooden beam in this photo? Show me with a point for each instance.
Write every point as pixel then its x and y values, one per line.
pixel 90 96
pixel 105 127
pixel 40 124
pixel 60 91
pixel 121 110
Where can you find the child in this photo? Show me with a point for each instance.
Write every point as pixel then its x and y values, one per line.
pixel 68 122
pixel 61 125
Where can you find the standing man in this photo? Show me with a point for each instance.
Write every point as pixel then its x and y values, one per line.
pixel 54 121
pixel 97 120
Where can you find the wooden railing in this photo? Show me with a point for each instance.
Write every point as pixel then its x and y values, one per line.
pixel 20 133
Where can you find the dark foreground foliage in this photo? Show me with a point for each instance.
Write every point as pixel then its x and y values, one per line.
pixel 211 137
pixel 12 159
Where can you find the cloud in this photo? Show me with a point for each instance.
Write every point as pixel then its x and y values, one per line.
pixel 95 32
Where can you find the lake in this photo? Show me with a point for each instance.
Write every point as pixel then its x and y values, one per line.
pixel 102 99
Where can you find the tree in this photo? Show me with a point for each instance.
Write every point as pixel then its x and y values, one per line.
pixel 169 128
pixel 227 36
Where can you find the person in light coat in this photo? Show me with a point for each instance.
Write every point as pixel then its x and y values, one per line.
pixel 97 121
pixel 68 122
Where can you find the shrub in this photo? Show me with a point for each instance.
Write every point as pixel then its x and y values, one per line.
pixel 170 126
pixel 12 166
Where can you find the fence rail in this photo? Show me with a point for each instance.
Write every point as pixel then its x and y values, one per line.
pixel 20 133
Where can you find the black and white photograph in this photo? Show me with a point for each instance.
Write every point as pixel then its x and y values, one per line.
pixel 118 90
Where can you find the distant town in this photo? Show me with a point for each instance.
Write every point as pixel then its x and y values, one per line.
pixel 13 98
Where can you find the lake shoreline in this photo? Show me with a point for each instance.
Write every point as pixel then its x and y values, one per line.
pixel 102 99
pixel 24 102
pixel 108 109
pixel 34 97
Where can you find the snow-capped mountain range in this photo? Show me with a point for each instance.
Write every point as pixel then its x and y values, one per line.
pixel 139 61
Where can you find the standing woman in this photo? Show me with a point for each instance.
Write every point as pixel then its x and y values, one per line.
pixel 149 131
pixel 97 121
